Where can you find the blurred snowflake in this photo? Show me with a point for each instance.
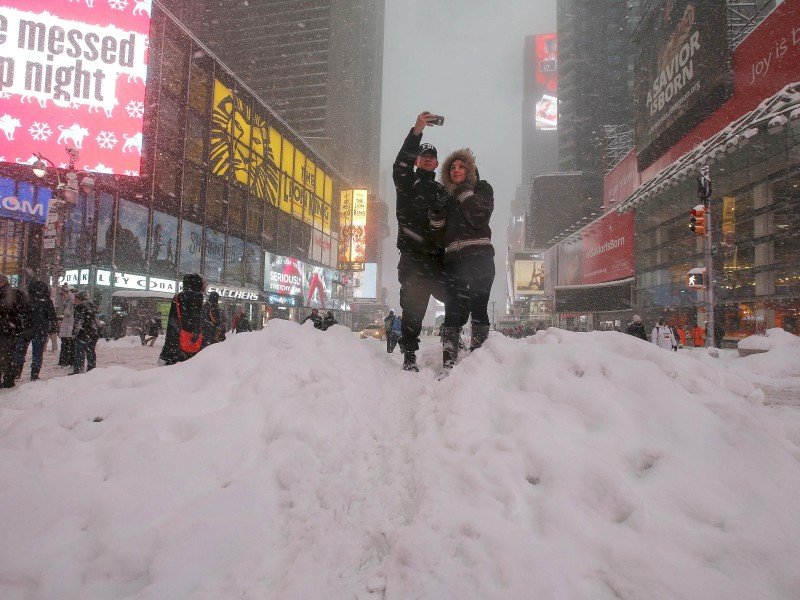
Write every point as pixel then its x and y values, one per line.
pixel 118 4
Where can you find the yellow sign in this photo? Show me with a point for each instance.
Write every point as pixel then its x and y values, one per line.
pixel 259 157
pixel 353 230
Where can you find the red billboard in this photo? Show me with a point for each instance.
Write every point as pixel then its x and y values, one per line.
pixel 73 74
pixel 599 253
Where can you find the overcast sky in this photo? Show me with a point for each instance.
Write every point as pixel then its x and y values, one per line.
pixel 461 59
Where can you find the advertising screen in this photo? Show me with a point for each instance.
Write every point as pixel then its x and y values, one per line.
pixel 683 71
pixel 528 277
pixel 319 287
pixel 73 74
pixel 546 81
pixel 283 275
pixel 353 230
pixel 365 283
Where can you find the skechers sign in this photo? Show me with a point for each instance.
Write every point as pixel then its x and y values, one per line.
pixel 73 74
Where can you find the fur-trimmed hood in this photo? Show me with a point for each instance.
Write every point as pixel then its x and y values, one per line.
pixel 468 158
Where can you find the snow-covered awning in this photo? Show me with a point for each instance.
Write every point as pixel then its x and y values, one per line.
pixel 774 113
pixel 142 294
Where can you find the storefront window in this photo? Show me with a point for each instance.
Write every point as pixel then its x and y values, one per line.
pixel 163 244
pixel 234 261
pixel 105 233
pixel 215 255
pixel 131 237
pixel 191 246
pixel 252 260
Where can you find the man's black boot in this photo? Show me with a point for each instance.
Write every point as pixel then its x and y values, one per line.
pixel 479 335
pixel 34 373
pixel 450 339
pixel 410 362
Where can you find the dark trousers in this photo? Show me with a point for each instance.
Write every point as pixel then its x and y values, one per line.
pixel 468 285
pixel 66 357
pixel 7 369
pixel 38 344
pixel 421 276
pixel 84 351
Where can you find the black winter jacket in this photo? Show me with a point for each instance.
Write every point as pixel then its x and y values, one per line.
pixel 43 313
pixel 413 226
pixel 83 329
pixel 190 301
pixel 462 225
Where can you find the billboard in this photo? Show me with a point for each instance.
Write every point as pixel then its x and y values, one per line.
pixel 74 75
pixel 545 87
pixel 683 72
pixel 365 283
pixel 528 277
pixel 353 230
pixel 283 275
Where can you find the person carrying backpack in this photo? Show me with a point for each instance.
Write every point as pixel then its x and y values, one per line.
pixel 662 336
pixel 241 323
pixel 183 336
pixel 85 332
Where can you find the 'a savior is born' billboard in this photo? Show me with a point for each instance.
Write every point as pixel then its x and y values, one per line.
pixel 73 74
pixel 683 71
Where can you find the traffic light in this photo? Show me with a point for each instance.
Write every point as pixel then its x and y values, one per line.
pixel 697 220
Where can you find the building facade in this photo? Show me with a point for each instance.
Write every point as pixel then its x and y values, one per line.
pixel 225 188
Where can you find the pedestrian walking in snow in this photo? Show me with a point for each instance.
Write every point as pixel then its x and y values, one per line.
pixel 636 328
pixel 662 336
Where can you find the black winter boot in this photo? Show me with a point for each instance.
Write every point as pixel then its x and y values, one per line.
pixel 450 339
pixel 479 335
pixel 34 374
pixel 19 369
pixel 410 362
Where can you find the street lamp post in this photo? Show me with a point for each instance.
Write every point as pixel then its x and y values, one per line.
pixel 704 193
pixel 61 205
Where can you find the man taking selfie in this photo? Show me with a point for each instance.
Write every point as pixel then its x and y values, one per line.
pixel 420 268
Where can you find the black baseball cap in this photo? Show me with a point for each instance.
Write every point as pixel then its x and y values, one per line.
pixel 427 149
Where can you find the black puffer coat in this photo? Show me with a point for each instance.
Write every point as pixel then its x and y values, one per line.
pixel 413 227
pixel 461 226
pixel 43 313
pixel 190 303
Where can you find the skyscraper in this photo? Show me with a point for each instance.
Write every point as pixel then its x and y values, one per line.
pixel 595 78
pixel 317 63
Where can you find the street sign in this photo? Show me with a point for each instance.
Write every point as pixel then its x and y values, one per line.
pixel 696 278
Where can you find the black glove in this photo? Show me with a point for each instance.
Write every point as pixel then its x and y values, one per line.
pixel 483 188
pixel 439 201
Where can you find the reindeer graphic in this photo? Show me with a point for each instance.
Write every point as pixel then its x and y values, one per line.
pixel 134 141
pixel 8 125
pixel 74 133
pixel 142 6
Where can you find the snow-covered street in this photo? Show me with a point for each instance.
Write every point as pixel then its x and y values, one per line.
pixel 293 463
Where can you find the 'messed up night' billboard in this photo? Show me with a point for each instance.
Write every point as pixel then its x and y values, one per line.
pixel 683 71
pixel 74 74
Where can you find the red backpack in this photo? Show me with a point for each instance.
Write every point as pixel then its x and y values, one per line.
pixel 188 341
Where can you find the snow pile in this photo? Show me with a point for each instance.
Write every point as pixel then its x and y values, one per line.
pixel 293 463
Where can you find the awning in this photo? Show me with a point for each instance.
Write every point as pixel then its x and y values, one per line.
pixel 587 286
pixel 142 294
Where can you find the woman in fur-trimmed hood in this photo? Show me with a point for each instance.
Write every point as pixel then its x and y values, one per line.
pixel 460 221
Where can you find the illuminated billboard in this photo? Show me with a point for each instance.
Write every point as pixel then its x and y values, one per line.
pixel 260 158
pixel 545 77
pixel 353 230
pixel 528 277
pixel 283 275
pixel 365 283
pixel 74 75
pixel 683 72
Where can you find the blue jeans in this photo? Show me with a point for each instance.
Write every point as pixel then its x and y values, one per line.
pixel 85 350
pixel 38 344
